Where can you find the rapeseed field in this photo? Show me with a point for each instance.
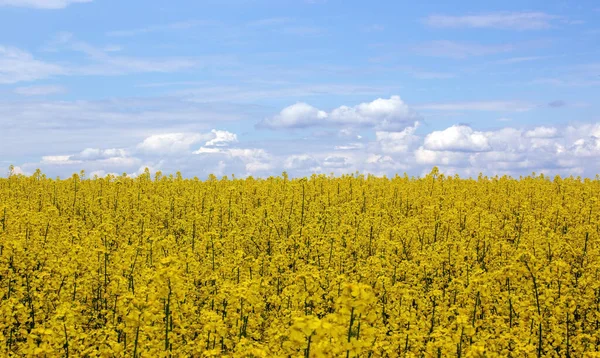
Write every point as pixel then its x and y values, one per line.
pixel 350 266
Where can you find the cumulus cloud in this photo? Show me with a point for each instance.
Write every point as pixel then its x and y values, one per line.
pixel 58 160
pixel 255 160
pixel 93 160
pixel 432 157
pixel 177 143
pixel 397 142
pixel 391 114
pixel 299 115
pixel 457 149
pixel 170 143
pixel 550 150
pixel 300 161
pixel 221 138
pixel 457 138
pixel 350 146
pixel 586 147
pixel 98 154
pixel 41 4
pixel 34 126
pixel 336 161
pixel 542 132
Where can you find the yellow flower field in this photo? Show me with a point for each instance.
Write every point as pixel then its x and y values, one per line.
pixel 350 266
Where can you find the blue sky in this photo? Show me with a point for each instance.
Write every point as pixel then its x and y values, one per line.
pixel 307 86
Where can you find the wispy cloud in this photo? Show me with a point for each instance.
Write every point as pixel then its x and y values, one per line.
pixel 568 81
pixel 104 62
pixel 42 90
pixel 460 50
pixel 256 92
pixel 498 20
pixel 304 30
pixel 19 66
pixel 513 60
pixel 373 28
pixel 271 21
pixel 557 104
pixel 38 125
pixel 493 106
pixel 41 4
pixel 427 75
pixel 181 25
pixel 284 25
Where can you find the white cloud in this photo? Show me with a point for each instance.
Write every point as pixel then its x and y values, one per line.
pixel 572 150
pixel 337 161
pixel 498 20
pixel 299 115
pixel 373 28
pixel 58 160
pixel 170 143
pixel 101 173
pixel 257 167
pixel 35 125
pixel 492 106
pixel 432 157
pixel 457 138
pixel 513 60
pixel 382 113
pixel 100 154
pixel 378 159
pixel 103 62
pixel 350 146
pixel 93 160
pixel 456 149
pixel 391 114
pixel 271 21
pixel 18 66
pixel 300 161
pixel 113 157
pixel 586 147
pixel 181 25
pixel 397 142
pixel 427 75
pixel 542 132
pixel 460 50
pixel 39 90
pixel 255 160
pixel 18 170
pixel 41 4
pixel 204 150
pixel 221 138
pixel 258 90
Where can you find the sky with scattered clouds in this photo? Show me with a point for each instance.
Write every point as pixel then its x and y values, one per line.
pixel 258 87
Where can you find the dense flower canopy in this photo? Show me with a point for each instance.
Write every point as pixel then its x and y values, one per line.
pixel 352 265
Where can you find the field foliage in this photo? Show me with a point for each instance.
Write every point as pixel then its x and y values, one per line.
pixel 347 266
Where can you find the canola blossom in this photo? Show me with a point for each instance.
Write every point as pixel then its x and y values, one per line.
pixel 350 266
